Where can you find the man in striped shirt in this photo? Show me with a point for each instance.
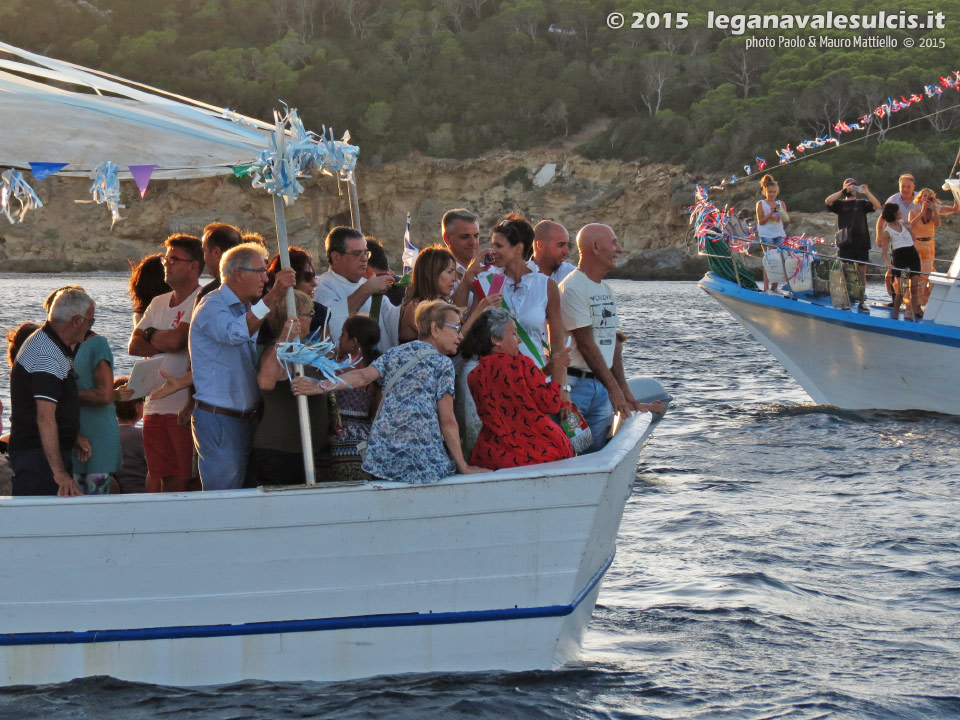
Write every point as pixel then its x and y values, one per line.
pixel 45 408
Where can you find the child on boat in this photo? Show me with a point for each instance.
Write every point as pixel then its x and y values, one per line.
pixel 771 215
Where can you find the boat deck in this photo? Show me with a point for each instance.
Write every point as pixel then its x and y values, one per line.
pixel 871 308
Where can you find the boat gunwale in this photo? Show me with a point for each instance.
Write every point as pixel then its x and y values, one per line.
pixel 604 461
pixel 933 333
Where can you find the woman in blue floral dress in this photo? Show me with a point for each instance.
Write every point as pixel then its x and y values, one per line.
pixel 415 437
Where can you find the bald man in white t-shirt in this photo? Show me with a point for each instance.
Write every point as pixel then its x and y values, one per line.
pixel 598 386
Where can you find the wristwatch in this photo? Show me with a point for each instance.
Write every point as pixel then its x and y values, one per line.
pixel 148 333
pixel 566 388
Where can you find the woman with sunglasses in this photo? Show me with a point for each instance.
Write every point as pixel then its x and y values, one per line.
pixel 302 263
pixel 415 437
pixel 277 457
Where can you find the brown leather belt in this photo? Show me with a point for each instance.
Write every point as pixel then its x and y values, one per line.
pixel 929 238
pixel 247 415
pixel 576 372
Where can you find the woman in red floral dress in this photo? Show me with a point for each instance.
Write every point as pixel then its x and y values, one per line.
pixel 513 397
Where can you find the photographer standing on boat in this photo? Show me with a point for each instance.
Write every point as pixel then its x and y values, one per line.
pixel 223 337
pixel 853 238
pixel 596 380
pixel 45 404
pixel 771 215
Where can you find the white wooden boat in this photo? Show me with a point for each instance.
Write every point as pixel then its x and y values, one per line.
pixel 498 571
pixel 859 360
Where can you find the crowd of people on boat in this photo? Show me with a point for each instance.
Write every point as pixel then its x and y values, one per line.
pixel 477 360
pixel 905 233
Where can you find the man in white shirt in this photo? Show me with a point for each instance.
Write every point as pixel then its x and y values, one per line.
pixel 597 383
pixel 551 247
pixel 343 288
pixel 164 329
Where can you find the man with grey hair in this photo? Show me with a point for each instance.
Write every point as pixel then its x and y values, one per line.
pixel 461 235
pixel 45 405
pixel 551 247
pixel 598 386
pixel 223 339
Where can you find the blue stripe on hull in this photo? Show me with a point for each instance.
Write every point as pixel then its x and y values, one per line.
pixel 919 332
pixel 300 626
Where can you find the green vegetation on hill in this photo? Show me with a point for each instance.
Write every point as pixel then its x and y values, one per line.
pixel 456 78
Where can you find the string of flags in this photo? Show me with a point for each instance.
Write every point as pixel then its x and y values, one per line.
pixel 277 169
pixel 790 152
pixel 712 225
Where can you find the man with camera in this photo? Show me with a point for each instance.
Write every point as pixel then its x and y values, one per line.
pixel 851 204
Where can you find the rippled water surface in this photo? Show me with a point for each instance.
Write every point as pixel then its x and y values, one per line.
pixel 777 559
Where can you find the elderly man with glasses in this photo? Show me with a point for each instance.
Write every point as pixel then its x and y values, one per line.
pixel 163 329
pixel 45 404
pixel 223 338
pixel 343 288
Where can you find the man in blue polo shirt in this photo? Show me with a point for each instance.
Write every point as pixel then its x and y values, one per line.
pixel 45 407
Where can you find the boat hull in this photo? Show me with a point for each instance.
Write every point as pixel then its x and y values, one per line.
pixel 848 359
pixel 490 572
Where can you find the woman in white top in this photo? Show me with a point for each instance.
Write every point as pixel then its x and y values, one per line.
pixel 532 297
pixel 771 214
pixel 899 254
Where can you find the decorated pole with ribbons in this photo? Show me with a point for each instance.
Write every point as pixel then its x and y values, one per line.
pixel 294 152
pixel 280 213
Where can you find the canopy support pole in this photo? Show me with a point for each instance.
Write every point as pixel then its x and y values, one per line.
pixel 306 437
pixel 354 202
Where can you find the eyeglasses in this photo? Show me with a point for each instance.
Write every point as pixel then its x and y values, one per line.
pixel 91 320
pixel 258 271
pixel 455 327
pixel 358 254
pixel 174 260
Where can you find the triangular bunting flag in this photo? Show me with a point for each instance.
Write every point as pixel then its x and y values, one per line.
pixel 141 175
pixel 41 171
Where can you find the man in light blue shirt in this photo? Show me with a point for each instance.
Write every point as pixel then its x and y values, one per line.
pixel 223 337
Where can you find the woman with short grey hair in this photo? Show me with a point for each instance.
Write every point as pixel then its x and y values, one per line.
pixel 513 397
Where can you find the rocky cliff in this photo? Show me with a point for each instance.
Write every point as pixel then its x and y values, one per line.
pixel 644 203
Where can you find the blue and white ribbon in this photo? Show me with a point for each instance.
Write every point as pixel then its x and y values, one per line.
pixel 106 188
pixel 313 353
pixel 14 187
pixel 278 172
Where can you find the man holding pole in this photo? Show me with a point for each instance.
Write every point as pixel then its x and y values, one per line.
pixel 223 354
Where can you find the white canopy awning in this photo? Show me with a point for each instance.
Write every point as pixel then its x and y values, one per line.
pixel 56 112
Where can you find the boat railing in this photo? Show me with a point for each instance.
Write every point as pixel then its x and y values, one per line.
pixel 803 257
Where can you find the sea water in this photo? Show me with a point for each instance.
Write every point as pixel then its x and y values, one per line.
pixel 777 559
